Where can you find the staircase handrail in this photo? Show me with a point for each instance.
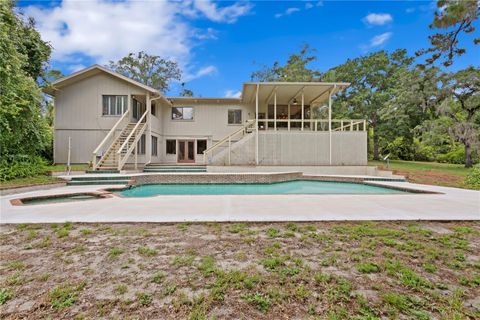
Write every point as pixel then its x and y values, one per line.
pixel 108 136
pixel 131 133
pixel 248 124
pixel 122 161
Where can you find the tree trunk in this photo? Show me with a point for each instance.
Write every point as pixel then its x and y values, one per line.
pixel 376 155
pixel 468 156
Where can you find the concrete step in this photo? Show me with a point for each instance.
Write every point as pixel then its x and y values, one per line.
pixel 97 182
pixel 93 178
pixel 101 171
pixel 174 170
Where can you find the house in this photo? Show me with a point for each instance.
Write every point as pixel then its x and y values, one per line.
pixel 115 122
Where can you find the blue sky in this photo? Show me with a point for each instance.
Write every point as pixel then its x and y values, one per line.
pixel 219 44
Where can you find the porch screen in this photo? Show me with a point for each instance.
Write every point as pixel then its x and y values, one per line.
pixel 114 105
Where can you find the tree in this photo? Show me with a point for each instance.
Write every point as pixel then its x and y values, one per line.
pixel 462 105
pixel 454 17
pixel 23 128
pixel 185 92
pixel 372 79
pixel 150 70
pixel 295 69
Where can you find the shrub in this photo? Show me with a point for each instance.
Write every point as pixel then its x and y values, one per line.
pixel 456 156
pixel 424 153
pixel 472 180
pixel 401 148
pixel 12 167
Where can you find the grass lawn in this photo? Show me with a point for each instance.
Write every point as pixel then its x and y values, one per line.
pixel 30 181
pixel 405 270
pixel 434 173
pixel 62 167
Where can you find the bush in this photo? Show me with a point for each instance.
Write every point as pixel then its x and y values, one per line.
pixel 456 156
pixel 424 152
pixel 473 178
pixel 400 148
pixel 12 167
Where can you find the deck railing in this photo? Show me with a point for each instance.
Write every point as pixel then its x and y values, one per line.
pixel 249 125
pixel 312 124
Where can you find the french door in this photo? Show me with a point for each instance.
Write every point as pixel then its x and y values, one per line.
pixel 186 151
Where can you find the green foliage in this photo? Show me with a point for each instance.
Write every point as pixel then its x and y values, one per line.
pixel 455 156
pixel 146 251
pixel 14 167
pixel 150 70
pixel 260 301
pixel 65 295
pixel 368 267
pixel 400 148
pixel 5 295
pixel 144 299
pixel 472 180
pixel 453 18
pixel 23 54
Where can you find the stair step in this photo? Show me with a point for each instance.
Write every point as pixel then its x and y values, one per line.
pixel 174 170
pixel 93 178
pixel 96 182
pixel 101 171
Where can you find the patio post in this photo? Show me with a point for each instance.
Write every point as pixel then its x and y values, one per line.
pixel 330 124
pixel 256 125
pixel 303 109
pixel 148 137
pixel 275 110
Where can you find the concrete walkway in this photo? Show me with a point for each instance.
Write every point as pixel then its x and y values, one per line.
pixel 452 204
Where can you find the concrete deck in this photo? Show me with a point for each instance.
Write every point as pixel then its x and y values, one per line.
pixel 452 204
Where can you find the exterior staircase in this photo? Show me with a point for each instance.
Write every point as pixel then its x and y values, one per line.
pixel 118 152
pixel 110 158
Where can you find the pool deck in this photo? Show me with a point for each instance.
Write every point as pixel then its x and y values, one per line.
pixel 448 204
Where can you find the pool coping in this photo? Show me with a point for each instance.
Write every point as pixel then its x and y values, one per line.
pixel 100 194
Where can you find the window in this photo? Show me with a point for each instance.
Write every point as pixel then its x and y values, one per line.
pixel 114 105
pixel 154 109
pixel 154 146
pixel 201 146
pixel 171 146
pixel 141 145
pixel 182 113
pixel 235 116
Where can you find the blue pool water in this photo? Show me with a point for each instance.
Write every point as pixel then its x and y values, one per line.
pixel 289 187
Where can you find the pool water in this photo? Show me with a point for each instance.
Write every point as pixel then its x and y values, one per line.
pixel 289 187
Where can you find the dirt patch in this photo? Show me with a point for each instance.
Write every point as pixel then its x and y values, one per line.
pixel 231 271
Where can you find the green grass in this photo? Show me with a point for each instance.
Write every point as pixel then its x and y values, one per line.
pixel 65 295
pixel 63 167
pixel 458 169
pixel 24 182
pixel 5 295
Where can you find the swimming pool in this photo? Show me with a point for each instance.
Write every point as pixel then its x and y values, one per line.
pixel 289 187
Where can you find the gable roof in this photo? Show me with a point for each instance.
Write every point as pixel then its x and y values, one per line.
pixel 90 71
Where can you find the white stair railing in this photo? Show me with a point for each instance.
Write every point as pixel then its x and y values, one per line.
pixel 228 139
pixel 107 137
pixel 128 146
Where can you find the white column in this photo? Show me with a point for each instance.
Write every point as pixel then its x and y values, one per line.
pixel 330 124
pixel 256 125
pixel 303 106
pixel 148 132
pixel 275 110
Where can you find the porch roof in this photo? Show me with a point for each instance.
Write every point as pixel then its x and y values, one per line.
pixel 313 92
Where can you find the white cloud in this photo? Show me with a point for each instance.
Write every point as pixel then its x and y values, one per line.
pixel 410 10
pixel 287 12
pixel 103 30
pixel 377 41
pixel 76 67
pixel 309 5
pixel 380 39
pixel 227 14
pixel 378 19
pixel 233 94
pixel 208 70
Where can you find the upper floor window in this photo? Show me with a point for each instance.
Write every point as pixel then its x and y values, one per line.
pixel 114 105
pixel 235 116
pixel 182 113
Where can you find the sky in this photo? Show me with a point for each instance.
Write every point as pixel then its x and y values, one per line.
pixel 218 44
